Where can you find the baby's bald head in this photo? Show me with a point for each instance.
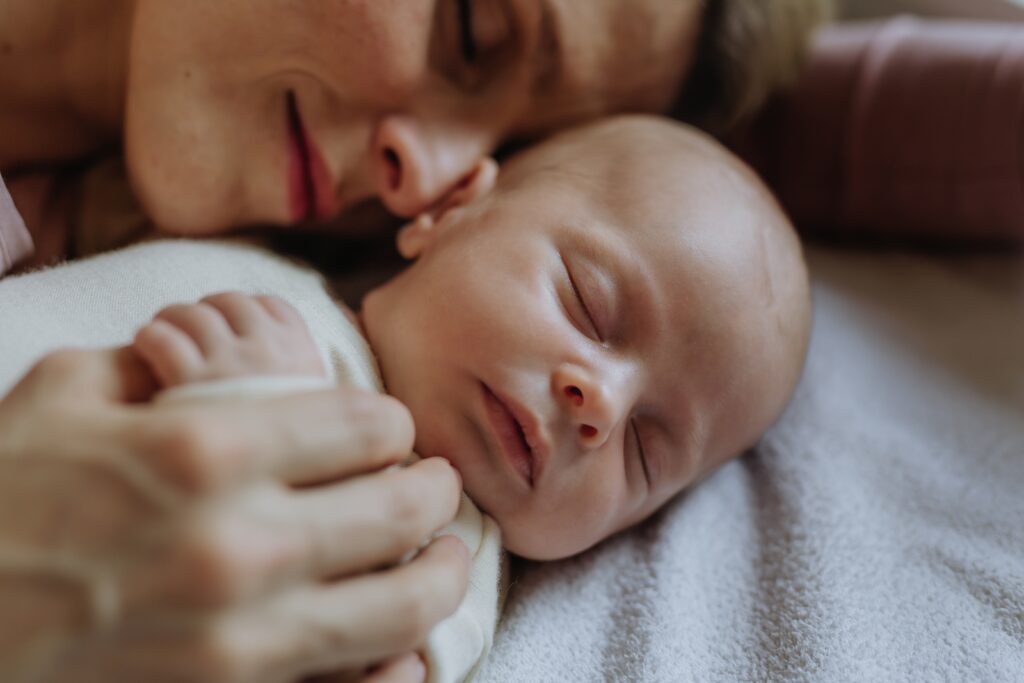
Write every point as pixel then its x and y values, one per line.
pixel 625 310
pixel 716 221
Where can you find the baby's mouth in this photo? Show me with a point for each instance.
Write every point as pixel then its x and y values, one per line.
pixel 510 435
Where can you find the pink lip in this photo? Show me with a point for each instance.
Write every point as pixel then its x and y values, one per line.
pixel 517 432
pixel 310 186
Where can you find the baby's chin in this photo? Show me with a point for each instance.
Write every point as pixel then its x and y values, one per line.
pixel 541 540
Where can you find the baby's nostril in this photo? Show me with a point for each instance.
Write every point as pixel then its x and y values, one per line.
pixel 575 395
pixel 588 432
pixel 394 164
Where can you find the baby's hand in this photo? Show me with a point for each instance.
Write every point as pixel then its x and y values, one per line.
pixel 227 335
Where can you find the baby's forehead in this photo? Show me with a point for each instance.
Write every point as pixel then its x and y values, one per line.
pixel 645 173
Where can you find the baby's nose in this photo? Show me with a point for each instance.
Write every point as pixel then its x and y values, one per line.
pixel 590 403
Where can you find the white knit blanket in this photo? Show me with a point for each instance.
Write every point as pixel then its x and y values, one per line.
pixel 876 534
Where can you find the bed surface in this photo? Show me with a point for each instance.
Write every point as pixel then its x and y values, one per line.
pixel 876 533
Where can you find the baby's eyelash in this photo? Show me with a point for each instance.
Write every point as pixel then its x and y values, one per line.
pixel 640 451
pixel 582 301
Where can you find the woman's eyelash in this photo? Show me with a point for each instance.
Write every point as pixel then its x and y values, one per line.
pixel 640 452
pixel 467 40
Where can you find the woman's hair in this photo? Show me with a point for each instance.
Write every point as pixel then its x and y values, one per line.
pixel 747 51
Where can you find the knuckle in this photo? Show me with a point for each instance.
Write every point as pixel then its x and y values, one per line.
pixel 213 566
pixel 404 504
pixel 386 432
pixel 194 454
pixel 218 653
pixel 416 605
pixel 60 363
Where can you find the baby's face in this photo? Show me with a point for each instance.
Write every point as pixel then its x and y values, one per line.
pixel 592 337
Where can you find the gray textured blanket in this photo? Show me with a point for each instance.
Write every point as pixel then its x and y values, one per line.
pixel 876 534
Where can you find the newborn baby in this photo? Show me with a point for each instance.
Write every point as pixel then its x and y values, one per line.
pixel 624 310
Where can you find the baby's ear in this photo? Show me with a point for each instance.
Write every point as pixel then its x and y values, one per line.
pixel 417 235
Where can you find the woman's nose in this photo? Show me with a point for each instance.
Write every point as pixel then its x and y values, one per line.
pixel 594 402
pixel 417 163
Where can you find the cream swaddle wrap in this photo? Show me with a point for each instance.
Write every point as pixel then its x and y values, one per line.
pixel 102 301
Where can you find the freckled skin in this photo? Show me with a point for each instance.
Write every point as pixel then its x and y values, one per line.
pixel 383 91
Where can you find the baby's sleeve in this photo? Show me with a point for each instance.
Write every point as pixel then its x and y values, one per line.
pixel 459 644
pixel 906 129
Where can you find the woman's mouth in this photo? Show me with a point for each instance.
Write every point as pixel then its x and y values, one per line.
pixel 511 437
pixel 310 188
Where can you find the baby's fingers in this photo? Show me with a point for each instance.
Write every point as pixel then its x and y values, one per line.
pixel 245 314
pixel 172 355
pixel 203 323
pixel 282 311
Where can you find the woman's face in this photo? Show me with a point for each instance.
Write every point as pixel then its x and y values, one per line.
pixel 278 112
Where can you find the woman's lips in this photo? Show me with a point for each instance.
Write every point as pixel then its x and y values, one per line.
pixel 310 186
pixel 515 431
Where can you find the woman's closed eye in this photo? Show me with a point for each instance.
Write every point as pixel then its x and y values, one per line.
pixel 473 40
pixel 467 39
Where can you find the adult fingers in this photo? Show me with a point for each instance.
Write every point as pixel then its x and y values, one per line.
pixel 407 669
pixel 271 537
pixel 374 617
pixel 88 377
pixel 374 520
pixel 343 626
pixel 299 439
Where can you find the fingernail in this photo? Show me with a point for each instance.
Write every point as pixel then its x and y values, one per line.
pixel 463 549
pixel 458 475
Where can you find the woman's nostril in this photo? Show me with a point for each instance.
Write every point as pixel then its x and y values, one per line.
pixel 394 166
pixel 575 395
pixel 588 432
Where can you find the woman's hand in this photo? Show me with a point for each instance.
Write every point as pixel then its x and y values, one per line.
pixel 221 542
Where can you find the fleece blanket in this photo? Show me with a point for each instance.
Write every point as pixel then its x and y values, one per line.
pixel 876 533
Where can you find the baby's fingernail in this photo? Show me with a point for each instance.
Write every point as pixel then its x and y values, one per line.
pixel 458 474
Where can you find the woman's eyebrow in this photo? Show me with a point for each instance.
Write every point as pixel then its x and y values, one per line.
pixel 547 57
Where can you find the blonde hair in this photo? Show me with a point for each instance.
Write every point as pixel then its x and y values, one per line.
pixel 748 50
